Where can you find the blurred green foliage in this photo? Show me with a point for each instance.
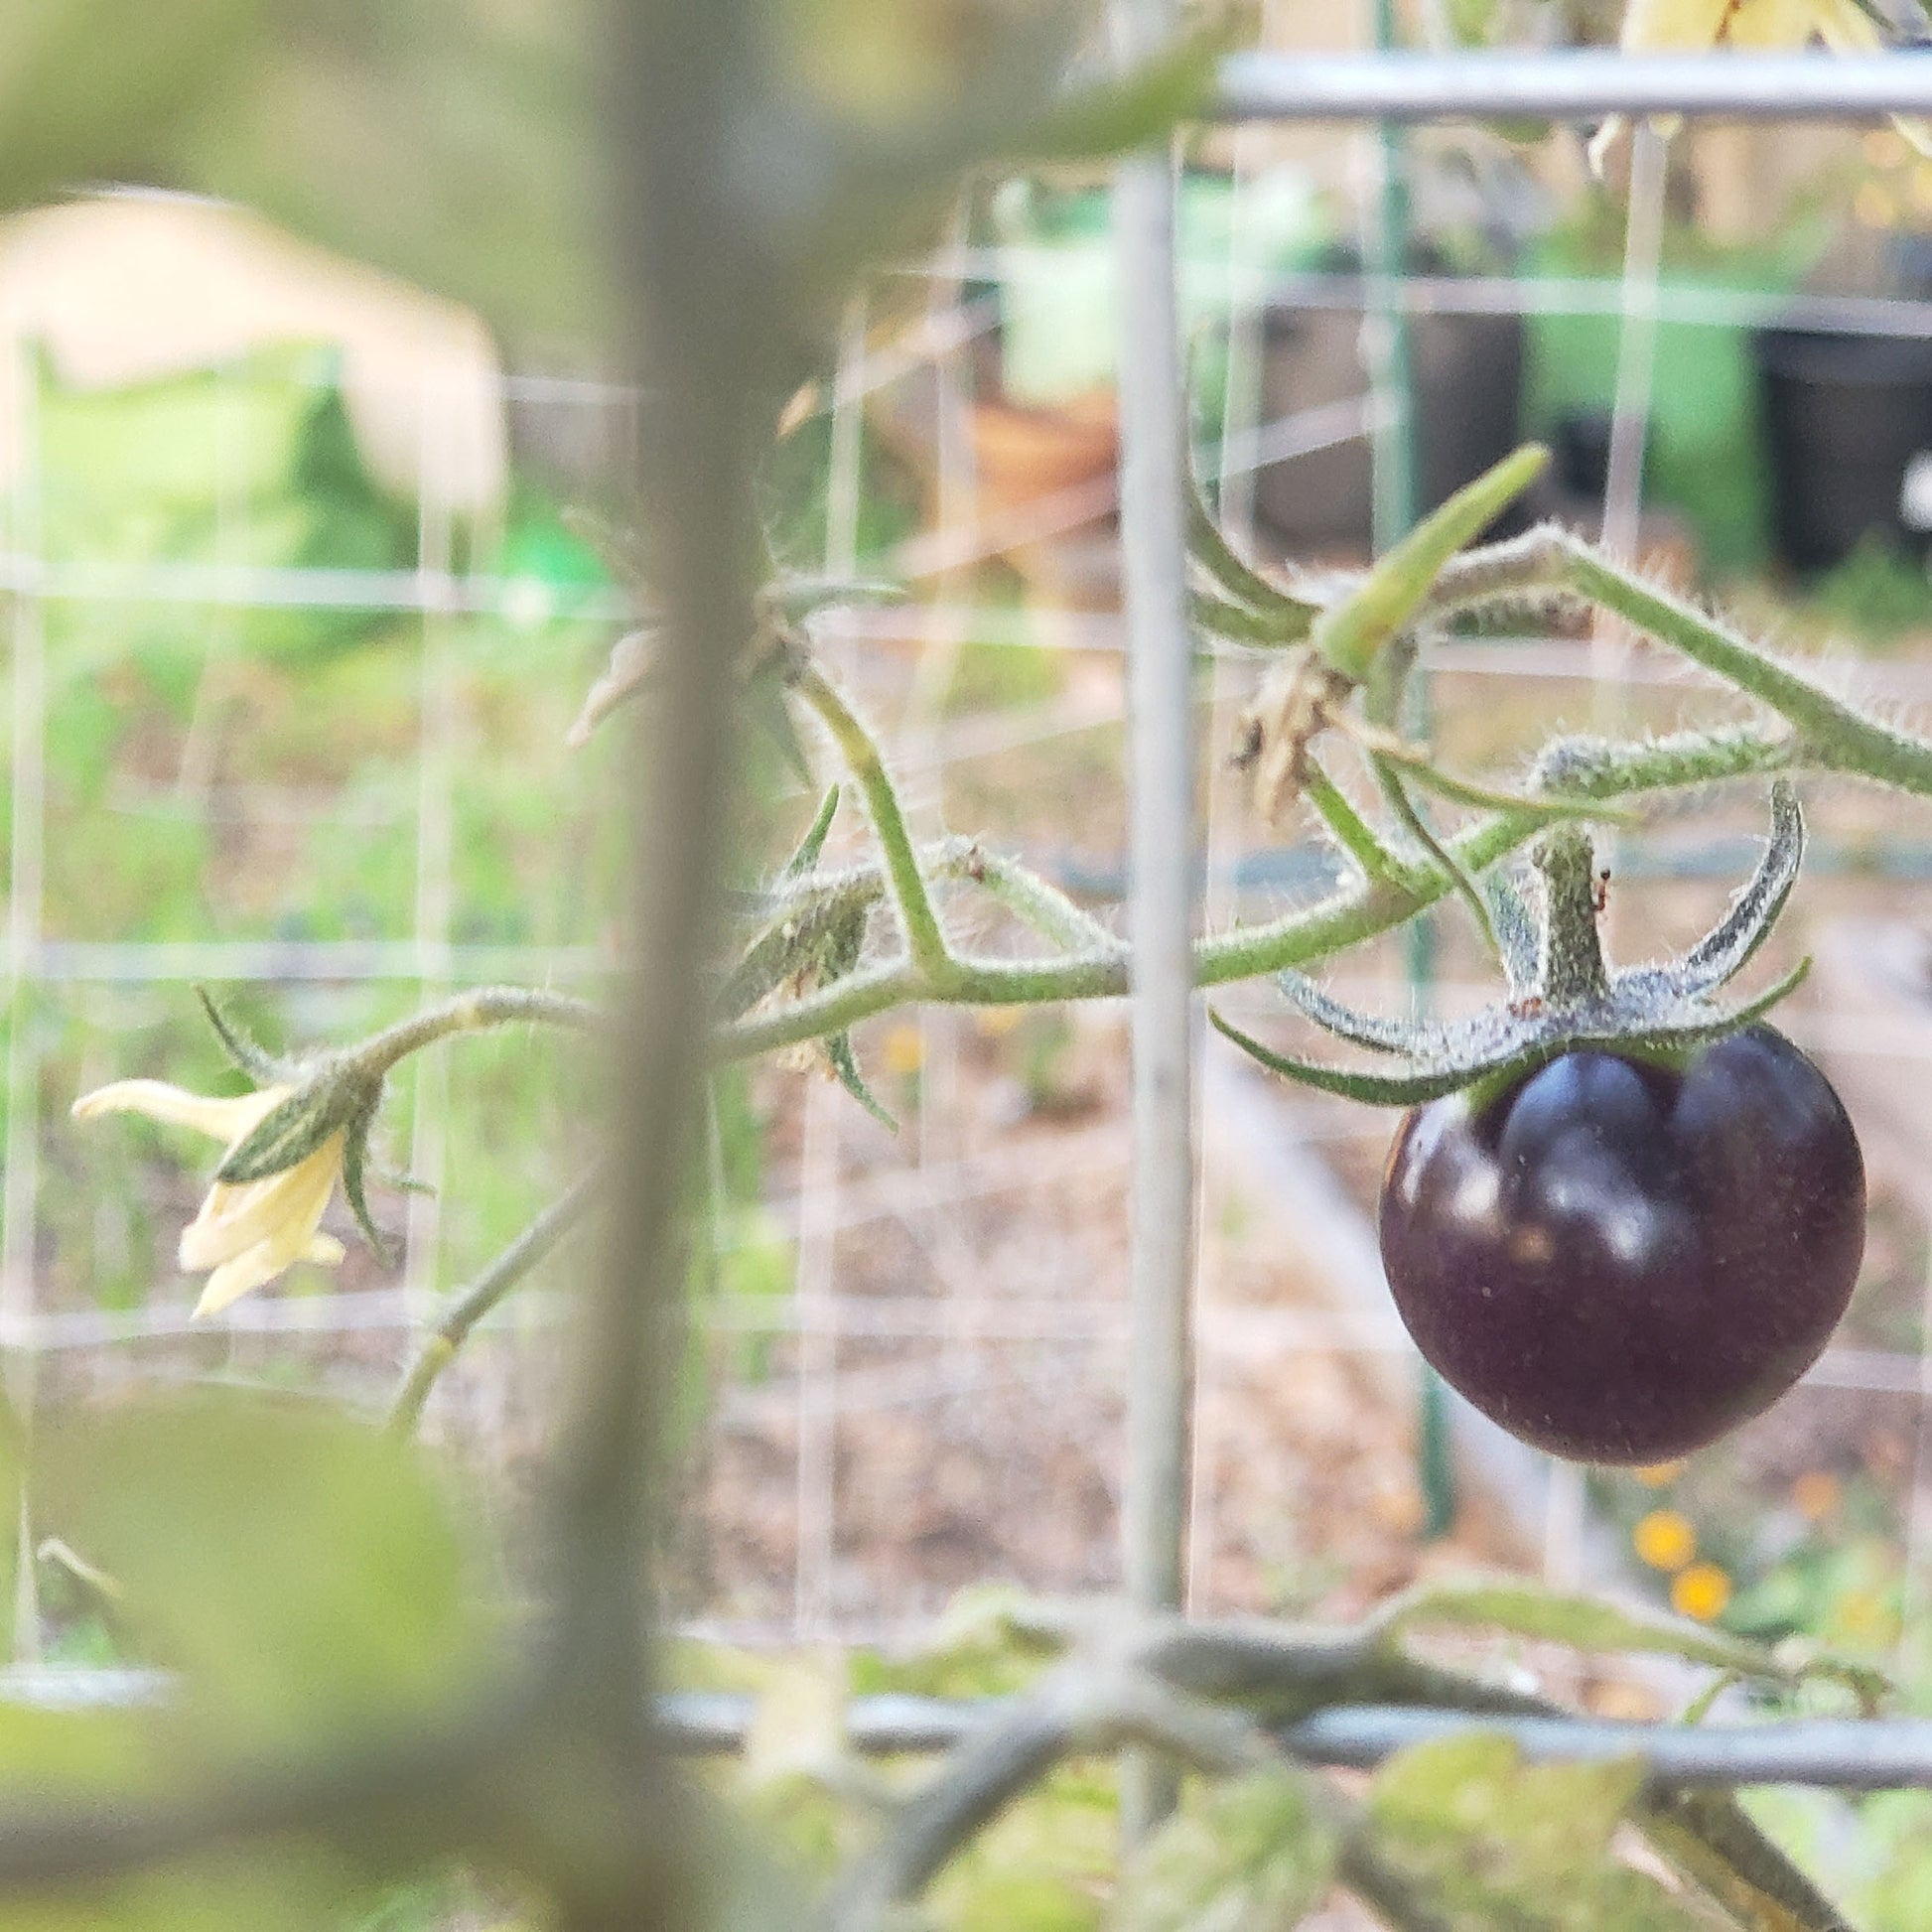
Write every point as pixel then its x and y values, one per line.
pixel 452 141
pixel 1876 593
pixel 1248 1852
pixel 307 1579
pixel 1498 1841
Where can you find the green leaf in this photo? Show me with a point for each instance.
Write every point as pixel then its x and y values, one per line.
pixel 989 1643
pixel 1097 123
pixel 111 1758
pixel 300 1571
pixel 1043 1865
pixel 1493 1842
pixel 845 1064
pixel 1526 1609
pixel 1249 1855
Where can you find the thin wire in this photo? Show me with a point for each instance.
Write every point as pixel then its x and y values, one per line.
pixel 1241 405
pixel 438 709
pixel 1636 368
pixel 815 1493
pixel 19 1200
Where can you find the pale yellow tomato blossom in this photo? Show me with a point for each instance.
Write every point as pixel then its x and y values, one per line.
pixel 249 1231
pixel 1689 26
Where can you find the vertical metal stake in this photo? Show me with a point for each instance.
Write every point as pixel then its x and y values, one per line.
pixel 1160 805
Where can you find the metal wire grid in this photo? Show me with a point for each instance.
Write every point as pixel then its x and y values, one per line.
pixel 825 1204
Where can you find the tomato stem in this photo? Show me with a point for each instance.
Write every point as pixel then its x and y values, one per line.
pixel 1573 969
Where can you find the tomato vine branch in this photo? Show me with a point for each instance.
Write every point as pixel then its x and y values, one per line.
pixel 469 1306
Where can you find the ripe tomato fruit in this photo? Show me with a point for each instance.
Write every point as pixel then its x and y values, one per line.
pixel 1617 1262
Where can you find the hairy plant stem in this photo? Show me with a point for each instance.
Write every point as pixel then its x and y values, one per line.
pixel 1549 561
pixel 1572 967
pixel 1815 730
pixel 469 1304
pixel 925 939
pixel 475 1012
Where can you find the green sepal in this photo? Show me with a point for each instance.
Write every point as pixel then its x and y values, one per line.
pixel 1514 926
pixel 1561 996
pixel 845 1065
pixel 1410 1036
pixel 1492 1051
pixel 1725 1020
pixel 1389 776
pixel 1351 635
pixel 355 1154
pixel 1273 618
pixel 254 1059
pixel 813 843
pixel 1727 947
pixel 328 1102
pixel 1458 790
pixel 1408 1089
pixel 1220 618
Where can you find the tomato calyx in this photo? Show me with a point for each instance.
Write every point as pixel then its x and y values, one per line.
pixel 1562 994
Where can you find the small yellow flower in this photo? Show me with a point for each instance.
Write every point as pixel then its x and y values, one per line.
pixel 905 1051
pixel 1860 1619
pixel 1702 1591
pixel 249 1231
pixel 1691 26
pixel 1665 1540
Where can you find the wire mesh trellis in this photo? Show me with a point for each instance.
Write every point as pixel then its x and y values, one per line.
pixel 429 956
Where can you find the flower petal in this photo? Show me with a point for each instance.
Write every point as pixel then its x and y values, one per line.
pixel 1844 27
pixel 292 1240
pixel 233 1218
pixel 225 1118
pixel 1773 23
pixel 256 1267
pixel 235 1277
pixel 1673 26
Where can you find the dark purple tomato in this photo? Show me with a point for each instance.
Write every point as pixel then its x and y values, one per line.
pixel 1619 1262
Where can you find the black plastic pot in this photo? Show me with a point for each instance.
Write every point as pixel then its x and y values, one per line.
pixel 1469 395
pixel 1845 415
